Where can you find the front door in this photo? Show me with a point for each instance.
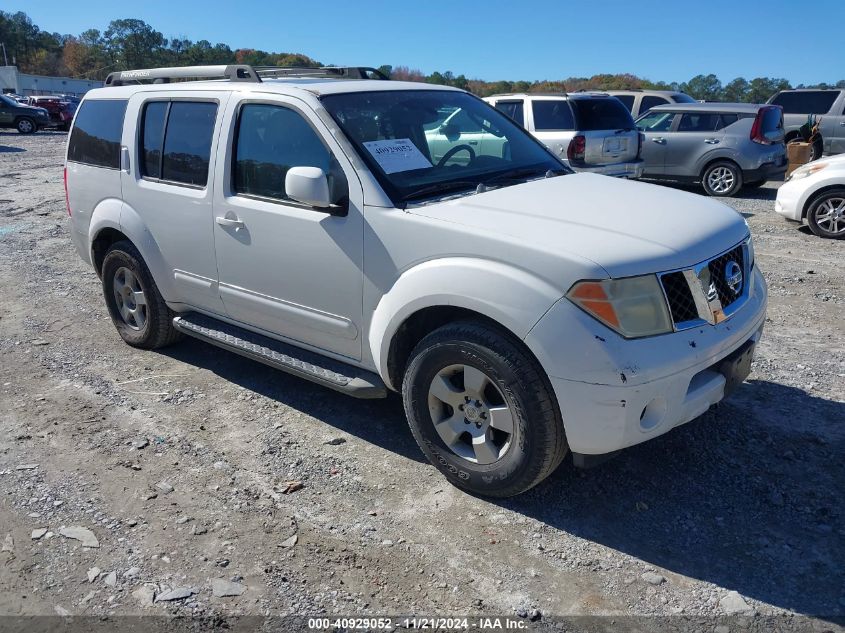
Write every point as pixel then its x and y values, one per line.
pixel 285 267
pixel 168 183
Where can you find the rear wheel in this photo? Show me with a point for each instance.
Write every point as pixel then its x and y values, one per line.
pixel 722 178
pixel 826 214
pixel 482 410
pixel 25 125
pixel 137 309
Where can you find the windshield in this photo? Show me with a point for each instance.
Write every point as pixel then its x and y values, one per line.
pixel 425 143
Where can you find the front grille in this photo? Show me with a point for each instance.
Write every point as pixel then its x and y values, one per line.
pixel 717 275
pixel 681 303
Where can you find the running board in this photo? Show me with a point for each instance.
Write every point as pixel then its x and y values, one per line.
pixel 293 360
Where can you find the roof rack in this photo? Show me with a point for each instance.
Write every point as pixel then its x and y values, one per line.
pixel 238 72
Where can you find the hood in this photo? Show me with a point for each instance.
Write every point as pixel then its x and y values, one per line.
pixel 626 227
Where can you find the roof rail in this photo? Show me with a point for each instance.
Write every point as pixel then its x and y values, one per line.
pixel 239 72
pixel 331 72
pixel 230 72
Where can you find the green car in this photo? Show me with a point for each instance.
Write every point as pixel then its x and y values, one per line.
pixel 25 119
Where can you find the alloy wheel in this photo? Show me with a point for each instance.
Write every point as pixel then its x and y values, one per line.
pixel 470 414
pixel 721 179
pixel 130 298
pixel 830 215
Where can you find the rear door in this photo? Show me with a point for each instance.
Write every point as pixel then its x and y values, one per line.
pixel 655 127
pixel 553 123
pixel 609 130
pixel 168 184
pixel 696 134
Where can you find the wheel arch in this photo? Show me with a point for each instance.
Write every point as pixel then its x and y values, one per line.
pixel 441 291
pixel 709 161
pixel 817 194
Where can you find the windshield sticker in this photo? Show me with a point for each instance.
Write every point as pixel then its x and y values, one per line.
pixel 397 154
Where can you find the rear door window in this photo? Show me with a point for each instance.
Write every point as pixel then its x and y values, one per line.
pixel 95 139
pixel 699 122
pixel 601 114
pixel 648 102
pixel 627 101
pixel 514 109
pixel 809 102
pixel 182 153
pixel 552 115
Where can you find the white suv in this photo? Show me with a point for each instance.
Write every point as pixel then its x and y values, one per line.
pixel 311 224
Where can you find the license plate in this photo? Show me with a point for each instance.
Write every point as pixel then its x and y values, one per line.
pixel 615 144
pixel 736 367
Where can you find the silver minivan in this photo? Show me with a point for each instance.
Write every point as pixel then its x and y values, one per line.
pixel 723 146
pixel 590 132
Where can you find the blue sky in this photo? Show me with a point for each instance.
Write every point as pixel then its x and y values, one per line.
pixel 493 39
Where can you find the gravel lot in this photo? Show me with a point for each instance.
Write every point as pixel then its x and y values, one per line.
pixel 180 464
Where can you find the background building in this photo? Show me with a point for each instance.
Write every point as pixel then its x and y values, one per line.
pixel 12 81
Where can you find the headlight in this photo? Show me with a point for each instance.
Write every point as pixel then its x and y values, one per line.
pixel 633 306
pixel 807 170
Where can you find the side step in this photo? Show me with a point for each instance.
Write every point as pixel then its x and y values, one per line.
pixel 299 362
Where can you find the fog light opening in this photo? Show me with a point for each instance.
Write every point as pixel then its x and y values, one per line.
pixel 652 414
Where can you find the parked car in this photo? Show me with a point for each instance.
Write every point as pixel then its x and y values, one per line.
pixel 523 311
pixel 24 118
pixel 816 193
pixel 60 110
pixel 589 132
pixel 641 101
pixel 722 146
pixel 828 105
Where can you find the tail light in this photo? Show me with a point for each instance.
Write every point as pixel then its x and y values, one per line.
pixel 757 132
pixel 577 148
pixel 67 197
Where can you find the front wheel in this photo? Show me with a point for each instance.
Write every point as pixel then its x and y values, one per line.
pixel 137 308
pixel 722 178
pixel 482 410
pixel 826 214
pixel 25 125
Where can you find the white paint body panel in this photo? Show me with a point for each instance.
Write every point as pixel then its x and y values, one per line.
pixel 344 285
pixel 793 195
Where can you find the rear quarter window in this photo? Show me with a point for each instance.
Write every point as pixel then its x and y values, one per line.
pixel 95 139
pixel 601 114
pixel 811 102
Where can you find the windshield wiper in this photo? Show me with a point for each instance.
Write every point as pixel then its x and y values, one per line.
pixel 442 188
pixel 523 173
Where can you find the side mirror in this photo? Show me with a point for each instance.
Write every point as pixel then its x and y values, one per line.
pixel 308 185
pixel 451 131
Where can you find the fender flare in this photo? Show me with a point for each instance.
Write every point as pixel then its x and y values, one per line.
pixel 115 214
pixel 513 297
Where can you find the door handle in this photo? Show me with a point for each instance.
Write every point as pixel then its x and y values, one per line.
pixel 842 123
pixel 659 140
pixel 711 141
pixel 473 142
pixel 230 223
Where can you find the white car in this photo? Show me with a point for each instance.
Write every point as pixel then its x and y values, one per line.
pixel 311 224
pixel 816 192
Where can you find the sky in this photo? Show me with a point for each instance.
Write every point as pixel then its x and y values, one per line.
pixel 494 39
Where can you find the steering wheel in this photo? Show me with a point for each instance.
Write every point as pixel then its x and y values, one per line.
pixel 454 151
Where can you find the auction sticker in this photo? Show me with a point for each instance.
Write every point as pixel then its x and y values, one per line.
pixel 397 154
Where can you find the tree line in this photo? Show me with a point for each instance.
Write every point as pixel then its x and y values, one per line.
pixel 131 43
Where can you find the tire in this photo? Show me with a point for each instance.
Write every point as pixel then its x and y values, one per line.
pixel 147 325
pixel 25 125
pixel 515 388
pixel 826 214
pixel 722 178
pixel 816 150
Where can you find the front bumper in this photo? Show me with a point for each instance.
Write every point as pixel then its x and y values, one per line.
pixel 614 393
pixel 790 200
pixel 633 169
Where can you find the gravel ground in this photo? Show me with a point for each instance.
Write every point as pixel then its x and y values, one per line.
pixel 183 466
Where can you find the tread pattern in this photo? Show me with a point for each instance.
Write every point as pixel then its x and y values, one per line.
pixel 538 397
